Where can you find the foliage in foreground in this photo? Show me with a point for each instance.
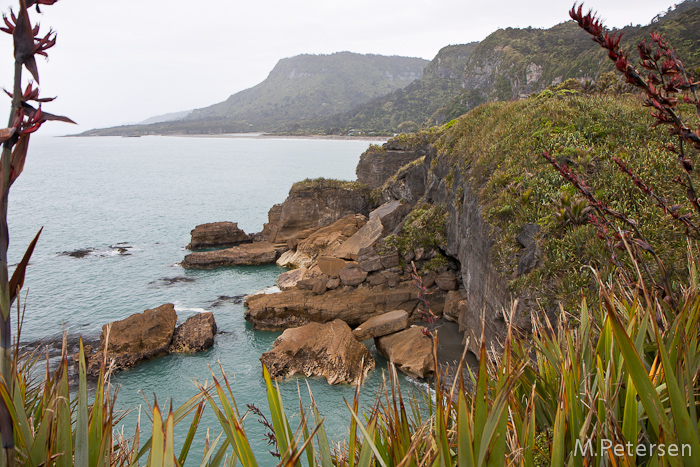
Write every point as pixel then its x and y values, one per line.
pixel 613 385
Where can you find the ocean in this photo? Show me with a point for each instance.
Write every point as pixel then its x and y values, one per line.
pixel 131 203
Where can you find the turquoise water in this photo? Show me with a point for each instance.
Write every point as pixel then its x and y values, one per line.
pixel 148 193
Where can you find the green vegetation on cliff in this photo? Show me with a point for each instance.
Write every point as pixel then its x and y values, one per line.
pixel 499 146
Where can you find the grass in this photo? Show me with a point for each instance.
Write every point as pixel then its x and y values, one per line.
pixel 496 149
pixel 325 184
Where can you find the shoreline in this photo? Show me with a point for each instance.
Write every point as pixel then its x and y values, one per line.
pixel 248 136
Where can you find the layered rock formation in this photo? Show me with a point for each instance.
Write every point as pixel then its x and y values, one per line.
pixel 217 235
pixel 308 209
pixel 248 254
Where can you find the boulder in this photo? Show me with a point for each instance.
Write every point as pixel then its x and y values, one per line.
pixel 327 350
pixel 217 234
pixel 446 281
pixel 428 279
pixel 376 279
pixel 331 266
pixel 410 350
pixel 246 254
pixel 354 305
pixel 138 337
pixel 352 275
pixel 366 236
pixel 195 334
pixel 289 279
pixel 381 325
pixel 392 279
pixel 451 308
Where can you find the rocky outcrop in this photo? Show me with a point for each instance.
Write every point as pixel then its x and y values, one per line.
pixel 194 335
pixel 243 255
pixel 149 334
pixel 382 325
pixel 217 235
pixel 378 164
pixel 308 209
pixel 327 350
pixel 354 305
pixel 138 337
pixel 288 280
pixel 410 350
pixel 323 242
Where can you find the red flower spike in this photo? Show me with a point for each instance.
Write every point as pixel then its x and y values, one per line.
pixel 669 67
pixel 621 64
pixel 644 50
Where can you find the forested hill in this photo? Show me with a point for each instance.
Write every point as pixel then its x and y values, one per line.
pixel 509 64
pixel 346 93
pixel 298 88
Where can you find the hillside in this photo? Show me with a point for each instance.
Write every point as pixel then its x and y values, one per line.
pixel 298 88
pixel 415 103
pixel 510 64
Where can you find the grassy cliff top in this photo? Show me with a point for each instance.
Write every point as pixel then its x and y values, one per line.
pixel 499 146
pixel 325 184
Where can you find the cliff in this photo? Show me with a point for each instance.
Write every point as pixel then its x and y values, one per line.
pixel 484 217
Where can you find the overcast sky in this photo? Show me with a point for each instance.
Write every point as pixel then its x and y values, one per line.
pixel 122 61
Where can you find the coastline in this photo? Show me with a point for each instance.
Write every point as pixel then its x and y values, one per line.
pixel 382 139
pixel 276 136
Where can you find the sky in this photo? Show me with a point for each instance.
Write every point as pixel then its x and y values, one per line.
pixel 122 61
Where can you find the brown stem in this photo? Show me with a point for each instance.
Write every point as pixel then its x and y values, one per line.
pixel 5 302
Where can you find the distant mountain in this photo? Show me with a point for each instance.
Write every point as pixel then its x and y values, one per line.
pixel 298 88
pixel 415 103
pixel 169 117
pixel 347 93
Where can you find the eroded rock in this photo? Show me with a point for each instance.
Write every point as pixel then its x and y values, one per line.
pixel 217 234
pixel 410 350
pixel 382 325
pixel 327 350
pixel 247 254
pixel 194 335
pixel 296 307
pixel 138 337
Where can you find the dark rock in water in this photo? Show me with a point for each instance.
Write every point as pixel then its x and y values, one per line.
pixel 217 234
pixel 81 253
pixel 224 299
pixel 328 350
pixel 195 334
pixel 166 281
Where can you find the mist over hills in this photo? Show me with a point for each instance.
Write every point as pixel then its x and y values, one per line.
pixel 297 89
pixel 347 93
